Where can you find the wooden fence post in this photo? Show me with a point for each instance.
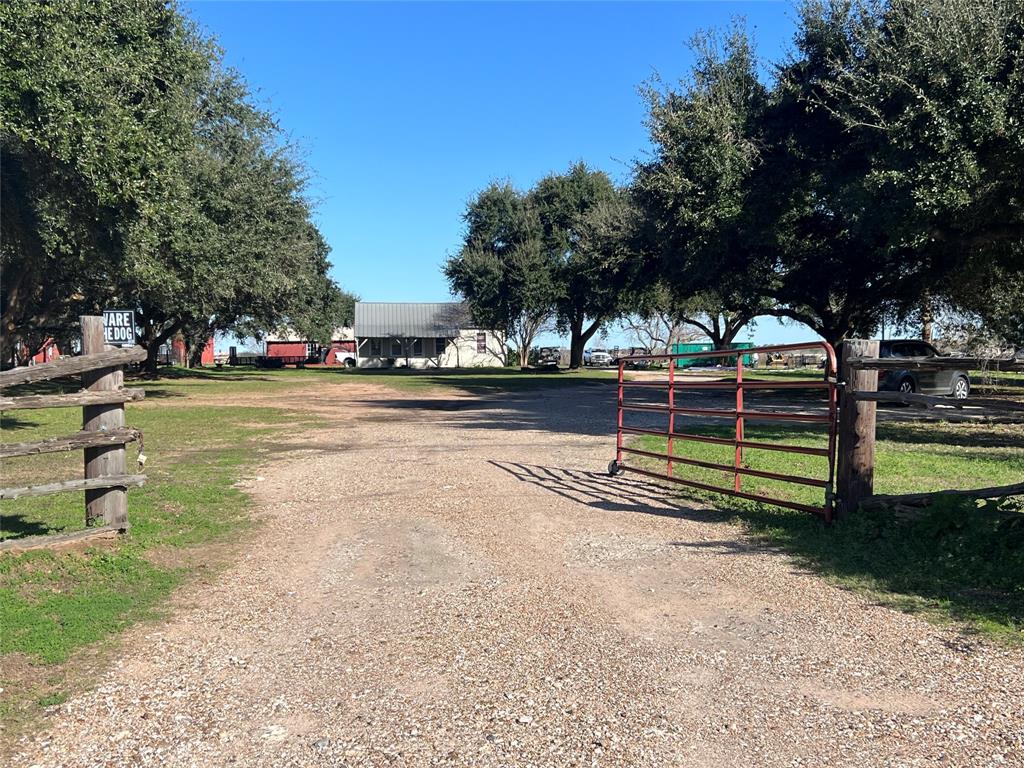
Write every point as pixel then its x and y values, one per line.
pixel 110 504
pixel 856 470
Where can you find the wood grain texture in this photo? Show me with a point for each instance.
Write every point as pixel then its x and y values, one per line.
pixel 70 442
pixel 70 400
pixel 115 481
pixel 856 459
pixel 72 366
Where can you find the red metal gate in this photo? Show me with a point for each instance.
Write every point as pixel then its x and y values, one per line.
pixel 676 386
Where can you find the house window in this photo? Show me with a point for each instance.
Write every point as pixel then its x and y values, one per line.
pixel 417 348
pixel 396 348
pixel 481 342
pixel 440 345
pixel 375 348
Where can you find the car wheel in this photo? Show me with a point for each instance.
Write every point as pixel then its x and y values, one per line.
pixel 350 362
pixel 961 388
pixel 906 385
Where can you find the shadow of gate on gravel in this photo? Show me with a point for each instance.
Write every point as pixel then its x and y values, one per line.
pixel 598 490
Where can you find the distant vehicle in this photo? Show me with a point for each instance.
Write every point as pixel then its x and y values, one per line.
pixel 597 358
pixel 950 382
pixel 633 364
pixel 548 357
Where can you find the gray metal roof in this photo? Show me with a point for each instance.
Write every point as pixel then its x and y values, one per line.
pixel 409 319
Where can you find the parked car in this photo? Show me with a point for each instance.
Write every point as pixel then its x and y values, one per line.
pixel 634 364
pixel 951 381
pixel 597 358
pixel 548 357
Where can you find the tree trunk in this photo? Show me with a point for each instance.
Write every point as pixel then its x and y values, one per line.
pixel 195 356
pixel 152 362
pixel 524 355
pixel 152 341
pixel 578 341
pixel 724 341
pixel 576 344
pixel 927 319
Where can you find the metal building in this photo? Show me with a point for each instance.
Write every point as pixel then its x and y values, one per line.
pixel 423 335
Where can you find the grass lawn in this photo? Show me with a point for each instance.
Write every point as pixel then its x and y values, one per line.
pixel 59 605
pixel 178 382
pixel 482 380
pixel 962 561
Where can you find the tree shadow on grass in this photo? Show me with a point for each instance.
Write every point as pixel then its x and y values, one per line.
pixel 957 559
pixel 16 422
pixel 944 433
pixel 18 527
pixel 174 373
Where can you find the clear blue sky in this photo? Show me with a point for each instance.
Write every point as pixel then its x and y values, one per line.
pixel 405 110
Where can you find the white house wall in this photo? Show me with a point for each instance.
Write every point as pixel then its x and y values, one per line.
pixel 461 352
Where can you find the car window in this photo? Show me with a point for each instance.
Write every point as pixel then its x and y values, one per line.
pixel 899 350
pixel 920 349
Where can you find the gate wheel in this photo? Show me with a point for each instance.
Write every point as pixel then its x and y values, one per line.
pixel 614 468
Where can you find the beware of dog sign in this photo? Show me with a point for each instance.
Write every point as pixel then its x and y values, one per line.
pixel 119 327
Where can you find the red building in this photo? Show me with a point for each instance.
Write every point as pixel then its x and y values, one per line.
pixel 47 353
pixel 179 355
pixel 293 350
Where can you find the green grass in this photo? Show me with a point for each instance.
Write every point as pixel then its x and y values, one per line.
pixel 961 561
pixel 479 380
pixel 56 604
pixel 178 382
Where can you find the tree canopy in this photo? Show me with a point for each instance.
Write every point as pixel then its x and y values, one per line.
pixel 876 172
pixel 139 172
pixel 502 269
pixel 583 217
pixel 555 253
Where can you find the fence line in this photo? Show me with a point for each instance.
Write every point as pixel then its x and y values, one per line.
pixel 85 397
pixel 941 403
pixel 935 363
pixel 858 412
pixel 82 439
pixel 103 436
pixel 71 366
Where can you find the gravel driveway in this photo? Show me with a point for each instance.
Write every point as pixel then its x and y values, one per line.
pixel 452 580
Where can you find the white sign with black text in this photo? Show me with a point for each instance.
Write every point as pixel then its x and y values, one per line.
pixel 119 327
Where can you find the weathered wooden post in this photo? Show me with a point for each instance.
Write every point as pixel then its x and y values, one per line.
pixel 110 504
pixel 856 470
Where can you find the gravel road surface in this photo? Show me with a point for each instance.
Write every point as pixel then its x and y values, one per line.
pixel 452 580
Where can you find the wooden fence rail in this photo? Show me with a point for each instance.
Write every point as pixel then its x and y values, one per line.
pixel 871 363
pixel 72 366
pixel 975 406
pixel 73 442
pixel 103 436
pixel 85 397
pixel 857 415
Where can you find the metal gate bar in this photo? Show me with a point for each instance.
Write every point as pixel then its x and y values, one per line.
pixel 739 415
